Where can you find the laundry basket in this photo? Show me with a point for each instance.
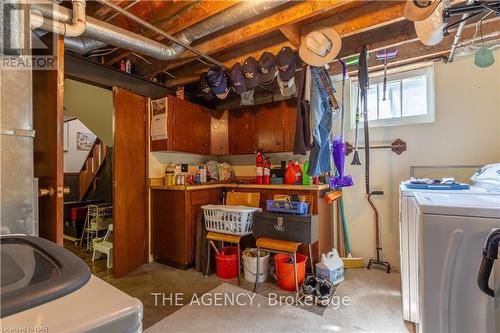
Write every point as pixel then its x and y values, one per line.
pixel 235 220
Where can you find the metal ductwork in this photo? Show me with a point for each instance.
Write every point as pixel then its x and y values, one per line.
pixel 74 28
pixel 99 33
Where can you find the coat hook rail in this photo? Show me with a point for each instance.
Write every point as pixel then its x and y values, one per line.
pixel 398 146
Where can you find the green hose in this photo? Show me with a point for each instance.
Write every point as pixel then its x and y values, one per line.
pixel 344 225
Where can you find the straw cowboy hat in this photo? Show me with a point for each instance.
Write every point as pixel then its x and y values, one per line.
pixel 320 46
pixel 419 10
pixel 430 31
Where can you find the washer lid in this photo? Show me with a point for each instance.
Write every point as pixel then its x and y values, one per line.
pixel 36 271
pixel 474 205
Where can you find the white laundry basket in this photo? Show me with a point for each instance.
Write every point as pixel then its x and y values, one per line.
pixel 235 220
pixel 250 265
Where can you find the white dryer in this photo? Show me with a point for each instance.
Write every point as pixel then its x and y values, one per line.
pixel 453 229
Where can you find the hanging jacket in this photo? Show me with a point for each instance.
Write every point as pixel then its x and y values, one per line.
pixel 303 138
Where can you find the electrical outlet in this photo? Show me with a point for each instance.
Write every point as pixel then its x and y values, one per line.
pixel 184 168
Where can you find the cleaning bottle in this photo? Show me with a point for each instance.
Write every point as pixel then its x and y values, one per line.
pixel 290 177
pixel 306 179
pixel 298 173
pixel 331 267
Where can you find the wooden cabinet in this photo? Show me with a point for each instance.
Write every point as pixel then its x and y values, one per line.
pixel 191 128
pixel 219 144
pixel 240 135
pixel 267 127
pixel 188 128
pixel 173 218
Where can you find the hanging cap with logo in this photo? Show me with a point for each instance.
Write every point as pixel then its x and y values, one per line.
pixel 287 62
pixel 267 68
pixel 205 88
pixel 217 79
pixel 320 47
pixel 237 78
pixel 419 10
pixel 251 73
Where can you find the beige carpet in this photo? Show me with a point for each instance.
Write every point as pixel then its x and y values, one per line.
pixel 374 307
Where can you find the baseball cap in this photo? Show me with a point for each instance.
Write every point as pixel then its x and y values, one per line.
pixel 287 88
pixel 217 79
pixel 286 61
pixel 247 98
pixel 251 73
pixel 205 88
pixel 267 68
pixel 237 78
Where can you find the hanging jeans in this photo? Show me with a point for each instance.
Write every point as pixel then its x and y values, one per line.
pixel 321 124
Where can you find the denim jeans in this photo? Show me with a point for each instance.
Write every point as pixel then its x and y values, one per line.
pixel 321 125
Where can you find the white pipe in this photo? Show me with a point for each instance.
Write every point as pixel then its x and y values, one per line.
pixel 73 29
pixel 458 35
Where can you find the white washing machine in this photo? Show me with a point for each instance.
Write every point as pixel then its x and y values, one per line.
pixel 486 180
pixel 453 229
pixel 46 288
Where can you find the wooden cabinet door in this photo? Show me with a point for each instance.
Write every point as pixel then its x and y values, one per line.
pixel 218 133
pixel 241 136
pixel 130 182
pixel 289 122
pixel 191 128
pixel 268 127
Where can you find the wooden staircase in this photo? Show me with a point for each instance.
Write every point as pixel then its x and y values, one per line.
pixel 92 167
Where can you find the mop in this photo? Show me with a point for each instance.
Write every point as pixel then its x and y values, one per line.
pixel 355 159
pixel 385 56
pixel 363 83
pixel 340 180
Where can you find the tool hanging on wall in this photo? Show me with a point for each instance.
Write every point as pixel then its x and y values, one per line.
pixel 364 85
pixel 355 159
pixel 385 56
pixel 398 146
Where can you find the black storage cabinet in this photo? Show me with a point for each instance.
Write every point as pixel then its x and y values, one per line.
pixel 296 228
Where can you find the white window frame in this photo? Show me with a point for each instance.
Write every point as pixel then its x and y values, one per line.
pixel 401 73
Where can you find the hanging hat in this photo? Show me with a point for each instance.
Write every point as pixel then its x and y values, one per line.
pixel 267 68
pixel 419 10
pixel 430 31
pixel 287 88
pixel 251 73
pixel 205 88
pixel 217 79
pixel 287 62
pixel 247 98
pixel 320 47
pixel 237 78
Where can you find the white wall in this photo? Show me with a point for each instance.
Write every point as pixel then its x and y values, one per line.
pixel 73 158
pixel 157 161
pixel 93 106
pixel 466 131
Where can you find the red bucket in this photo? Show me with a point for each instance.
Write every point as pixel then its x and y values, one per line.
pixel 226 263
pixel 284 271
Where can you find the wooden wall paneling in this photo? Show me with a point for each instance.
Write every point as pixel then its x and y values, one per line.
pixel 241 134
pixel 268 127
pixel 48 122
pixel 219 144
pixel 191 128
pixel 130 181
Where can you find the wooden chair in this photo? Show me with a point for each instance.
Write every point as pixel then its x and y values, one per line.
pixel 283 247
pixel 250 199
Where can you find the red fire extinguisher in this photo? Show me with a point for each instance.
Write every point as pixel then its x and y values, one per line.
pixel 259 163
pixel 267 171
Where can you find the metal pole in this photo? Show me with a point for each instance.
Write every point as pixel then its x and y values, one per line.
pixel 458 35
pixel 160 32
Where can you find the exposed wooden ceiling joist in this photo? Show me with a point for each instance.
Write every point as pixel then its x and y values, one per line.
pixel 194 13
pixel 273 22
pixel 355 21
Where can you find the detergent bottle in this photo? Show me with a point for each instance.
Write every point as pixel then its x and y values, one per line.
pixel 290 177
pixel 331 267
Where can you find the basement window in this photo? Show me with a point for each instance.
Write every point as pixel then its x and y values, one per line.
pixel 409 97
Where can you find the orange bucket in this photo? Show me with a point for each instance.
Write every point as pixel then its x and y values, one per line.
pixel 284 271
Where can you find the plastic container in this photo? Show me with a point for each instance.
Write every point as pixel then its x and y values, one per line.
pixel 235 220
pixel 226 263
pixel 331 267
pixel 250 265
pixel 283 268
pixel 306 179
pixel 290 207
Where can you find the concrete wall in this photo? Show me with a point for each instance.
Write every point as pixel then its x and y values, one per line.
pixel 73 158
pixel 93 106
pixel 466 131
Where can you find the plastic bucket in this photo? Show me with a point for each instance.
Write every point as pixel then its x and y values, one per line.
pixel 250 265
pixel 284 271
pixel 226 263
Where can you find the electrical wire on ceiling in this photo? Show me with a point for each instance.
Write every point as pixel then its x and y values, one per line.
pixel 106 52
